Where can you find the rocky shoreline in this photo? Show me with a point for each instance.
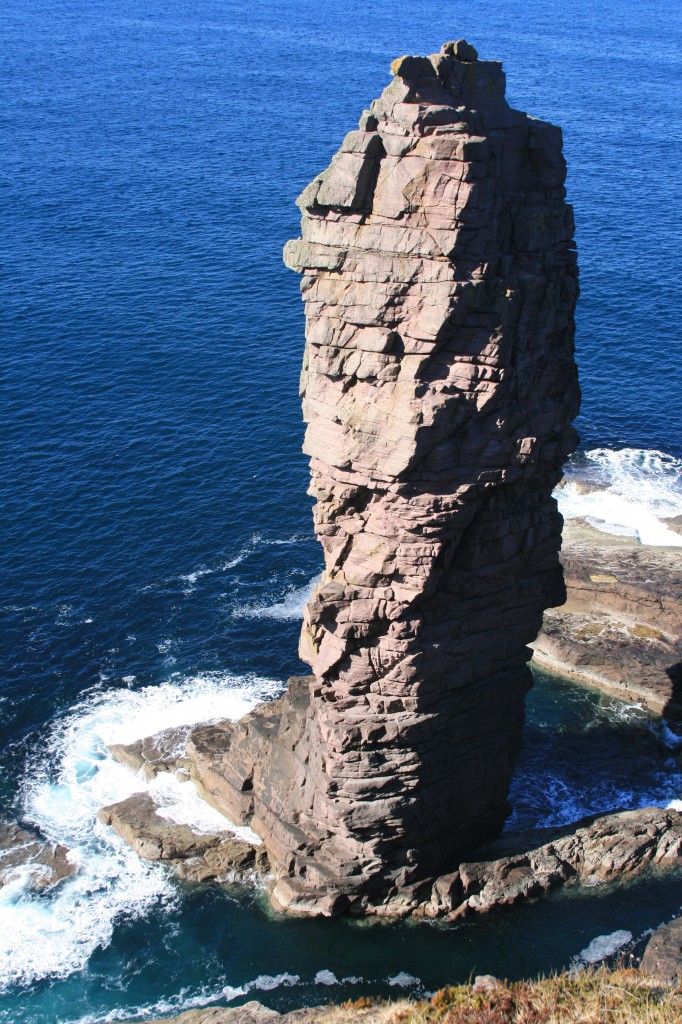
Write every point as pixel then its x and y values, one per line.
pixel 620 630
pixel 633 593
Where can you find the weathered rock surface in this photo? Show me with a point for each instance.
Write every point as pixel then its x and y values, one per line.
pixel 663 954
pixel 621 627
pixel 598 850
pixel 195 856
pixel 439 386
pixel 249 1013
pixel 24 853
pixel 162 752
pixel 255 1013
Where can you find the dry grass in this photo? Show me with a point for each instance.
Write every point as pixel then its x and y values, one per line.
pixel 645 631
pixel 598 996
pixel 589 630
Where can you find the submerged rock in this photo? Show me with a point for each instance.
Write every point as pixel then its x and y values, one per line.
pixel 439 386
pixel 25 854
pixel 621 627
pixel 195 856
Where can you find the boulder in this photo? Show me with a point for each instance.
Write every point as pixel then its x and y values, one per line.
pixel 162 752
pixel 195 856
pixel 24 853
pixel 663 954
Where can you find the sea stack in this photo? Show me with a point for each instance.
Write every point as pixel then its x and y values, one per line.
pixel 439 386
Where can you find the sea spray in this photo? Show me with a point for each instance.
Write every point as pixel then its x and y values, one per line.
pixel 67 781
pixel 630 492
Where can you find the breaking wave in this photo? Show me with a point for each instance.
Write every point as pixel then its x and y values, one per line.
pixel 630 493
pixel 290 607
pixel 67 781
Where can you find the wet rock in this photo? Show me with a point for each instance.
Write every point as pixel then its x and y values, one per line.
pixel 195 856
pixel 439 276
pixel 24 853
pixel 162 752
pixel 663 955
pixel 598 850
pixel 621 627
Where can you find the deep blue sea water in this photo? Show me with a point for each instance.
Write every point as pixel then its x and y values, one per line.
pixel 156 535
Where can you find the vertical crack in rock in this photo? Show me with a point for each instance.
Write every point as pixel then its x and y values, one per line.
pixel 439 386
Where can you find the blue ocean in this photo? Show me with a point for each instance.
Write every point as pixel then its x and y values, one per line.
pixel 157 542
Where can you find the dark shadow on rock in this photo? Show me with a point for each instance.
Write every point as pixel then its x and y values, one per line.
pixel 673 709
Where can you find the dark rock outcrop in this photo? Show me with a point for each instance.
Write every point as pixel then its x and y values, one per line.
pixel 439 386
pixel 24 853
pixel 621 627
pixel 663 955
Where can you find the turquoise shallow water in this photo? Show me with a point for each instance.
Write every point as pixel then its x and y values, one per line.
pixel 157 542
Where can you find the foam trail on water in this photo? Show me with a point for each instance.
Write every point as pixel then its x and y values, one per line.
pixel 289 608
pixel 631 492
pixel 256 543
pixel 604 946
pixel 67 782
pixel 227 993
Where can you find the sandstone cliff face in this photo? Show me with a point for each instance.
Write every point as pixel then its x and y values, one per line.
pixel 439 279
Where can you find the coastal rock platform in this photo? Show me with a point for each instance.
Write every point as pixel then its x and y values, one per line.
pixel 598 850
pixel 195 856
pixel 620 629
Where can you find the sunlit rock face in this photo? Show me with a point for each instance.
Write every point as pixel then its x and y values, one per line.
pixel 439 386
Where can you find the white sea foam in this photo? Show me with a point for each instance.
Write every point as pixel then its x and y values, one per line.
pixel 256 542
pixel 71 777
pixel 268 982
pixel 403 980
pixel 289 608
pixel 180 803
pixel 671 738
pixel 225 993
pixel 325 978
pixel 604 945
pixel 630 492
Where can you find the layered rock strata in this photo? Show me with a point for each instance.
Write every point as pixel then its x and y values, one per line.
pixel 195 856
pixel 439 279
pixel 621 627
pixel 598 850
